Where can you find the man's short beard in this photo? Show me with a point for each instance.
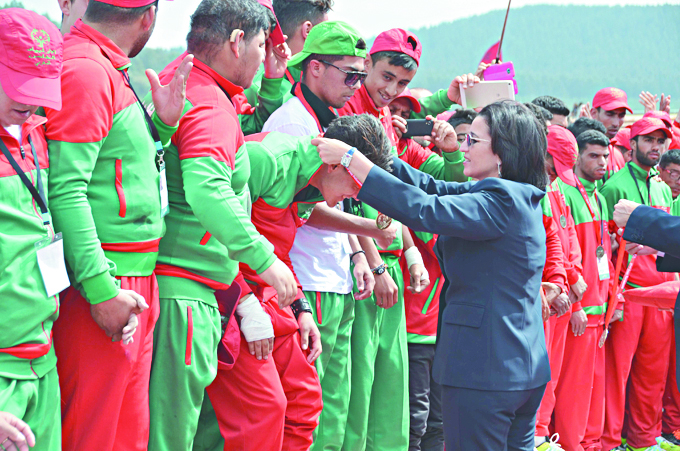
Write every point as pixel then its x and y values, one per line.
pixel 642 159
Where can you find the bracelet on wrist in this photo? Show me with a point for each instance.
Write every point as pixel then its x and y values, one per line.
pixel 380 269
pixel 299 306
pixel 351 257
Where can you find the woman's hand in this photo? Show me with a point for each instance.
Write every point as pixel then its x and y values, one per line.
pixel 444 136
pixel 331 151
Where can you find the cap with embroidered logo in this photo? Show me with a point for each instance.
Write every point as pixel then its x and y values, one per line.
pixel 31 52
pixel 332 37
pixel 398 40
pixel 648 125
pixel 611 99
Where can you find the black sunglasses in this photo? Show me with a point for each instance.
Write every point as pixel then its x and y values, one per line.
pixel 351 76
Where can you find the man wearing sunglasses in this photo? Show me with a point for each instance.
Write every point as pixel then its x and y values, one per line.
pixel 332 61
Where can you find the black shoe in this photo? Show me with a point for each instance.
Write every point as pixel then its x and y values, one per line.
pixel 671 438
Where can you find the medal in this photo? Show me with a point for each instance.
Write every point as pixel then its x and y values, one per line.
pixel 599 251
pixel 563 221
pixel 383 221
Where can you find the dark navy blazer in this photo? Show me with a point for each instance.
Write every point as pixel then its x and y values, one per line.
pixel 661 231
pixel 492 251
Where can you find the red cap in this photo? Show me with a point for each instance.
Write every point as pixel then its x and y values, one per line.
pixel 648 125
pixel 277 33
pixel 406 94
pixel 31 51
pixel 128 3
pixel 610 99
pixel 622 138
pixel 665 117
pixel 563 148
pixel 398 40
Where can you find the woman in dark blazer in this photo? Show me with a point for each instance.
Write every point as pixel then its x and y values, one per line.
pixel 491 357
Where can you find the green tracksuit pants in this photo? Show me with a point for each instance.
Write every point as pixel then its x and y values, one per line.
pixel 379 406
pixel 36 401
pixel 334 315
pixel 184 361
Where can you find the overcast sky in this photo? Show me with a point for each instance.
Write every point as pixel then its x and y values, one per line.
pixel 370 17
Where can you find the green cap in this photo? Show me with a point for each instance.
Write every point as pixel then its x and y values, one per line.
pixel 332 37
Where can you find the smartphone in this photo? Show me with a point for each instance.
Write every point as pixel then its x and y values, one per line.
pixel 418 127
pixel 504 71
pixel 486 92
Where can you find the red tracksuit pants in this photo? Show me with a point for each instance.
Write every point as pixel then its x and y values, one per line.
pixel 671 397
pixel 639 347
pixel 579 405
pixel 555 338
pixel 254 397
pixel 104 385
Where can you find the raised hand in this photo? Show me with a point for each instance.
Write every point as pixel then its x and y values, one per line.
pixel 168 100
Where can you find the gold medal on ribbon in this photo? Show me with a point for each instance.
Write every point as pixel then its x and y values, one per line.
pixel 599 252
pixel 563 221
pixel 383 221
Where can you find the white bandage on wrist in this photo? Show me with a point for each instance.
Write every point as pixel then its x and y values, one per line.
pixel 412 256
pixel 256 324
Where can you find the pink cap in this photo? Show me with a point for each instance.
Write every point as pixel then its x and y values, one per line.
pixel 406 94
pixel 665 117
pixel 648 125
pixel 31 51
pixel 128 3
pixel 622 138
pixel 610 99
pixel 398 40
pixel 277 33
pixel 563 148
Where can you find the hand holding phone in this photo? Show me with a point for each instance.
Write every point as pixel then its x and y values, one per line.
pixel 418 127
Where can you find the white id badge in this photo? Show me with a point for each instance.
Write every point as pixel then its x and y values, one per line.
pixel 51 263
pixel 165 207
pixel 603 267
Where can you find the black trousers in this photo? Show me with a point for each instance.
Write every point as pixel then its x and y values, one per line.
pixel 490 420
pixel 426 431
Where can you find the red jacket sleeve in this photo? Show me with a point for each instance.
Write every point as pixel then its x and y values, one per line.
pixel 554 264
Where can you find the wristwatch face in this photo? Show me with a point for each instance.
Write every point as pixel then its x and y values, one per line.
pixel 379 270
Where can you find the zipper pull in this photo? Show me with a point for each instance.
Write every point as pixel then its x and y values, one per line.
pixel 23 154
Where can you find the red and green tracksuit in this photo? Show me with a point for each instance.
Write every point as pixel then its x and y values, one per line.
pixel 265 96
pixel 253 395
pixel 29 388
pixel 556 327
pixel 615 163
pixel 208 233
pixel 671 398
pixel 422 309
pixel 105 199
pixel 579 419
pixel 638 347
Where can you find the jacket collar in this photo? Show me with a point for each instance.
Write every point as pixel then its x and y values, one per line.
pixel 228 87
pixel 109 48
pixel 26 128
pixel 321 113
pixel 640 173
pixel 368 104
pixel 589 186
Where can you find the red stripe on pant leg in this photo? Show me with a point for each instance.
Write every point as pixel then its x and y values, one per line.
pixel 318 307
pixel 190 336
pixel 119 188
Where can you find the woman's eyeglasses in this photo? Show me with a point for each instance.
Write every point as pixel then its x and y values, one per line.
pixel 351 76
pixel 469 140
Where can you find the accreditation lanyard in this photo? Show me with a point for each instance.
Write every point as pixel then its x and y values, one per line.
pixel 38 194
pixel 152 127
pixel 649 190
pixel 599 231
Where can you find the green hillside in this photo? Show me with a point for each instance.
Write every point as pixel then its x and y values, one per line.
pixel 566 51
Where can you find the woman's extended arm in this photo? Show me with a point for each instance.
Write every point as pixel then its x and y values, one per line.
pixel 475 216
pixel 331 151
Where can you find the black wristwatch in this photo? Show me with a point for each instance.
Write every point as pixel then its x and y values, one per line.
pixel 381 268
pixel 299 306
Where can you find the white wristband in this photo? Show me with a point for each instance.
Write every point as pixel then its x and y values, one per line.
pixel 412 255
pixel 256 324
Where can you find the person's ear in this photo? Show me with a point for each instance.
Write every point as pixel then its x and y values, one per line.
pixel 633 145
pixel 148 18
pixel 314 68
pixel 368 63
pixel 235 41
pixel 593 112
pixel 65 6
pixel 305 28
